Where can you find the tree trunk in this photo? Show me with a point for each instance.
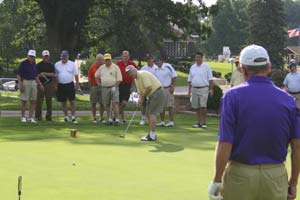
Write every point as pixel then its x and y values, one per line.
pixel 64 21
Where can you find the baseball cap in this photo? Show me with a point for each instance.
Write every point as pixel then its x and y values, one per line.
pixel 45 53
pixel 129 68
pixel 64 53
pixel 254 55
pixel 292 64
pixel 157 58
pixel 31 53
pixel 107 56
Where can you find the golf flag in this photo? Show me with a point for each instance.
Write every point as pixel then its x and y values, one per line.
pixel 294 32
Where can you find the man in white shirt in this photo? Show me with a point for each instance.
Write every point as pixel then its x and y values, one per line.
pixel 200 86
pixel 237 76
pixel 292 83
pixel 66 71
pixel 166 74
pixel 150 67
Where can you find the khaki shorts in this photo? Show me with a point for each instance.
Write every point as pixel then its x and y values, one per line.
pixel 170 101
pixel 199 97
pixel 108 96
pixel 30 91
pixel 297 99
pixel 154 104
pixel 249 182
pixel 95 95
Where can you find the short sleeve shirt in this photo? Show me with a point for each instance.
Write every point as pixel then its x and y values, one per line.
pixel 65 72
pixel 200 75
pixel 27 70
pixel 145 79
pixel 149 69
pixel 236 78
pixel 258 119
pixel 45 67
pixel 165 74
pixel 122 66
pixel 91 74
pixel 292 82
pixel 108 75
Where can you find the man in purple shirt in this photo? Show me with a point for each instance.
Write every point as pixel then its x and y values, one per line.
pixel 258 122
pixel 28 81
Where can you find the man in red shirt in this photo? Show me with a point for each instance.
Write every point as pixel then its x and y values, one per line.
pixel 95 90
pixel 125 85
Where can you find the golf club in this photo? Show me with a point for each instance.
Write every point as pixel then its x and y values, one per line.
pixel 111 105
pixel 131 120
pixel 19 187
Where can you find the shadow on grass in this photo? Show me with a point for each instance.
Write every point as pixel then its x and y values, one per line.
pixel 173 139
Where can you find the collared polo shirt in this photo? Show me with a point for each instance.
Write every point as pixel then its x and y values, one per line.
pixel 65 72
pixel 145 79
pixel 45 67
pixel 91 74
pixel 165 74
pixel 109 75
pixel 149 69
pixel 258 119
pixel 122 66
pixel 200 75
pixel 27 70
pixel 292 82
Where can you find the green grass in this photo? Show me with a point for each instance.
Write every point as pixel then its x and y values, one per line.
pixel 222 67
pixel 178 166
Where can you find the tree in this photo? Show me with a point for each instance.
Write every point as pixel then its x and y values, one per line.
pixel 268 28
pixel 64 21
pixel 230 27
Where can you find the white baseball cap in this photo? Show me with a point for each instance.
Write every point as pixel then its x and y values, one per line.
pixel 45 53
pixel 254 55
pixel 31 53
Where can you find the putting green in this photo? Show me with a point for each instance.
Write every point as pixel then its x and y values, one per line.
pixel 177 166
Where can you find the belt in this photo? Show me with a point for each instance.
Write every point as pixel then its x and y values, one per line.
pixel 256 166
pixel 294 92
pixel 66 83
pixel 200 87
pixel 108 86
pixel 167 87
pixel 155 91
pixel 28 79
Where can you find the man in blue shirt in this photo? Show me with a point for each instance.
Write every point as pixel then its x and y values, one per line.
pixel 28 81
pixel 258 122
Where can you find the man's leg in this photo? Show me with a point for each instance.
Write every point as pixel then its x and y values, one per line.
pixel 198 115
pixel 64 108
pixel 72 107
pixel 171 114
pixel 152 123
pixel 39 103
pixel 94 108
pixel 101 110
pixel 23 108
pixel 203 111
pixel 32 108
pixel 123 105
pixel 48 95
pixel 116 111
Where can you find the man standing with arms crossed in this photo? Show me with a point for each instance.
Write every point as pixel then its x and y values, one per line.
pixel 28 81
pixel 150 67
pixel 66 71
pixel 95 89
pixel 258 122
pixel 166 74
pixel 47 77
pixel 110 76
pixel 200 86
pixel 126 84
pixel 148 87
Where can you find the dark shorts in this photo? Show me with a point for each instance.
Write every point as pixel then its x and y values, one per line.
pixel 124 90
pixel 65 91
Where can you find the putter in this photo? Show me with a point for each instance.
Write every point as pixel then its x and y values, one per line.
pixel 131 120
pixel 19 187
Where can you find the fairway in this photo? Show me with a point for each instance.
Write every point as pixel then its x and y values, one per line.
pixel 178 166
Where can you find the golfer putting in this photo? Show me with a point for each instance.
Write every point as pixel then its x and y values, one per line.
pixel 258 123
pixel 148 87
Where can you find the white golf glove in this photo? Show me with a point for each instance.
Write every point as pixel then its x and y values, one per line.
pixel 113 89
pixel 214 190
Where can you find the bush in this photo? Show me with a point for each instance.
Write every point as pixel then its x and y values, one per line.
pixel 213 102
pixel 228 77
pixel 84 67
pixel 277 76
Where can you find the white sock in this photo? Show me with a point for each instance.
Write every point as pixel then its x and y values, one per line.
pixel 152 135
pixel 117 120
pixel 73 117
pixel 110 119
pixel 143 117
